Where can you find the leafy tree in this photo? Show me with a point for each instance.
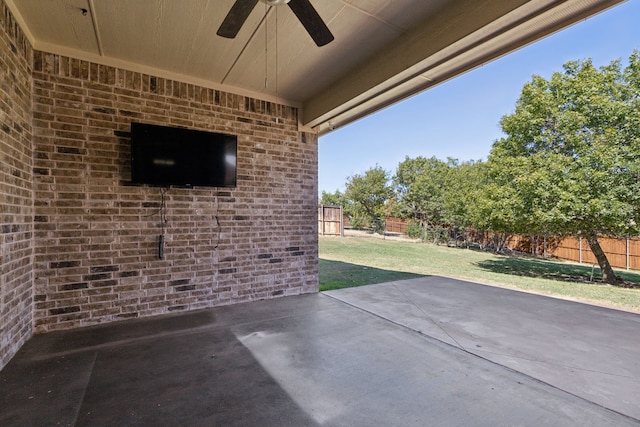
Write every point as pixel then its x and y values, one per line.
pixel 368 194
pixel 464 198
pixel 420 185
pixel 433 192
pixel 570 163
pixel 336 198
pixel 464 187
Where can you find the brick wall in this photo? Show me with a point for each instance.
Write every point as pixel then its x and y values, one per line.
pixel 78 242
pixel 96 235
pixel 16 194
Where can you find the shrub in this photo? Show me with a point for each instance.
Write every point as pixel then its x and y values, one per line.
pixel 415 230
pixel 359 223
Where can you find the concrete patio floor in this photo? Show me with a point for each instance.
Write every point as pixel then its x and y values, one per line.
pixel 426 351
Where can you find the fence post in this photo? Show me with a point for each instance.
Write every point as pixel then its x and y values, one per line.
pixel 628 257
pixel 341 222
pixel 580 250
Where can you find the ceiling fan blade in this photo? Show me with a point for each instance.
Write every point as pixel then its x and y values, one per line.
pixel 235 18
pixel 311 21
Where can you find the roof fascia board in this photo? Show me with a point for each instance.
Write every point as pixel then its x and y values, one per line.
pixel 518 28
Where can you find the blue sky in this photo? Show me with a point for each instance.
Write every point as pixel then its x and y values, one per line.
pixel 460 118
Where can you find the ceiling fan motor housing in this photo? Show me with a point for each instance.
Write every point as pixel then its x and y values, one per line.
pixel 275 2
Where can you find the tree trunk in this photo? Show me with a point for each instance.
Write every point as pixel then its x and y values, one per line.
pixel 608 276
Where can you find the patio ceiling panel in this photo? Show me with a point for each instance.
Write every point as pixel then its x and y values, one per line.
pixel 384 50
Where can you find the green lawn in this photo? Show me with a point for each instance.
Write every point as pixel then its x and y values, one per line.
pixel 356 261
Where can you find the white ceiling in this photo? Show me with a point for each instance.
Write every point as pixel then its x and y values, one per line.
pixel 383 52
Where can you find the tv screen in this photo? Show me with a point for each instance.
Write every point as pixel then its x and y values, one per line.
pixel 165 156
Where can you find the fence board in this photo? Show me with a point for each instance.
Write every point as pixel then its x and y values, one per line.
pixel 634 254
pixel 567 248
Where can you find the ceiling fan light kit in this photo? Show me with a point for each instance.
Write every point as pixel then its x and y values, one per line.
pixel 304 11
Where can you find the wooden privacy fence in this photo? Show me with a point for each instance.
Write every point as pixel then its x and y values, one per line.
pixel 396 225
pixel 330 220
pixel 622 253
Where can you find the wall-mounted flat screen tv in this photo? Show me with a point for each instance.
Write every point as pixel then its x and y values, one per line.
pixel 166 156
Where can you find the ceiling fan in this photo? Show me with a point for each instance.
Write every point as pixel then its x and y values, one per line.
pixel 303 9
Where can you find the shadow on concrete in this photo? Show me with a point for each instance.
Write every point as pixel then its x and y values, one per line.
pixel 178 371
pixel 338 275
